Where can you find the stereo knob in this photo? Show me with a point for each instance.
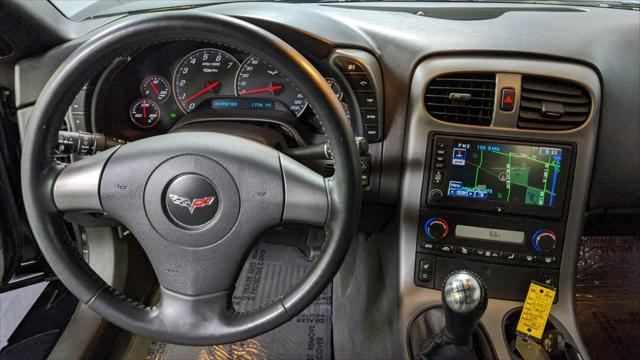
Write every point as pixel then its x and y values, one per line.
pixel 544 240
pixel 436 228
pixel 436 195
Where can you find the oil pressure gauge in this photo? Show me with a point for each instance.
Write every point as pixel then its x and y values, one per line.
pixel 145 113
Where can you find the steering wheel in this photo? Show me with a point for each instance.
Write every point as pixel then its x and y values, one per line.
pixel 195 201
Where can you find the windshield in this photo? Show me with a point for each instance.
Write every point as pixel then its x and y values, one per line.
pixel 85 9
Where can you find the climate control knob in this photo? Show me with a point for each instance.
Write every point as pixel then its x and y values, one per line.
pixel 544 240
pixel 436 228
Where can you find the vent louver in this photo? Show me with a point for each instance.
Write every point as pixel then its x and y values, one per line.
pixel 552 104
pixel 462 98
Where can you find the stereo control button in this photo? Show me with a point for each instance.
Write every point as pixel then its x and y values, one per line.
pixel 437 176
pixel 509 255
pixel 435 195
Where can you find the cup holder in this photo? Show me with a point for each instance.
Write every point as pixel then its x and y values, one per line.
pixel 510 323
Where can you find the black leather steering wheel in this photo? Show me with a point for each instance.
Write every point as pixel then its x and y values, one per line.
pixel 195 201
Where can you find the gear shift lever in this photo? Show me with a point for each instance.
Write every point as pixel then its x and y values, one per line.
pixel 464 300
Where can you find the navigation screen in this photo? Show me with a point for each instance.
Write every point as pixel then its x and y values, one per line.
pixel 513 174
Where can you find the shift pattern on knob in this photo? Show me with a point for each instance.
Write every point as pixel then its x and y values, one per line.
pixel 462 292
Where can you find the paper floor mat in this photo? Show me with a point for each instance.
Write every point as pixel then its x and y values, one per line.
pixel 269 271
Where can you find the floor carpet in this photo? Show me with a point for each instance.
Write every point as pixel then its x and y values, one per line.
pixel 608 296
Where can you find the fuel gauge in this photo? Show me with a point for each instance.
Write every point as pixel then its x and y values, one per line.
pixel 347 110
pixel 145 113
pixel 156 88
pixel 337 89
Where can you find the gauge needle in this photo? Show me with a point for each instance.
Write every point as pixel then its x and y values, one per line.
pixel 261 90
pixel 207 88
pixel 155 89
pixel 144 111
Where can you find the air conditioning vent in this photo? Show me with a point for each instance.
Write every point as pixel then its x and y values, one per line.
pixel 462 98
pixel 552 104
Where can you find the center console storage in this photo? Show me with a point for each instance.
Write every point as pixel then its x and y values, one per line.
pixel 494 206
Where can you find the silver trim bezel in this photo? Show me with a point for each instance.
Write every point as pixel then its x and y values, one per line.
pixel 420 125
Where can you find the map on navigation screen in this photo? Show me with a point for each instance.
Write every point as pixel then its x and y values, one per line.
pixel 522 174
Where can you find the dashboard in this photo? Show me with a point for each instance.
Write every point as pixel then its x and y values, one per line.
pixel 150 91
pixel 495 186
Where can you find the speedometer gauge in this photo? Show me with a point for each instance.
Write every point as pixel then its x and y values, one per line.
pixel 204 74
pixel 260 79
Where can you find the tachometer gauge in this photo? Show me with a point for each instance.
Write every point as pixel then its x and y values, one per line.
pixel 156 88
pixel 145 113
pixel 203 74
pixel 257 78
pixel 337 89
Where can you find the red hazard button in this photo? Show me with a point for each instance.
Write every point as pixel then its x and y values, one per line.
pixel 508 99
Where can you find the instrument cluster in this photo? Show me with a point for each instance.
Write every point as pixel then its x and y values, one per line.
pixel 147 93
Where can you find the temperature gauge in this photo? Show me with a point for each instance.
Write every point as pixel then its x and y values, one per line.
pixel 155 87
pixel 145 113
pixel 337 89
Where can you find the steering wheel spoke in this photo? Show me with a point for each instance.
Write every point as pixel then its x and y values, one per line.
pixel 77 186
pixel 306 194
pixel 196 271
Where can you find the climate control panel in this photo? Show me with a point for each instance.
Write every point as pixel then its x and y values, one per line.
pixel 508 251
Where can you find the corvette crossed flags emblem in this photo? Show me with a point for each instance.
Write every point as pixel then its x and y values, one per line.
pixel 192 205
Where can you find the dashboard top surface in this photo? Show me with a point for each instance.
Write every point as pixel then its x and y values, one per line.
pixel 400 39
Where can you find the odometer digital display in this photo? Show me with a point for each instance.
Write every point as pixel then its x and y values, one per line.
pixel 204 74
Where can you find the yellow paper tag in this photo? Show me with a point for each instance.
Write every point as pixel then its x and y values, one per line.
pixel 536 310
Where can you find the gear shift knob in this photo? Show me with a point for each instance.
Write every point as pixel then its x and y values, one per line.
pixel 464 299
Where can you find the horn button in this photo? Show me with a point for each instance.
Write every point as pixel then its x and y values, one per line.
pixel 192 200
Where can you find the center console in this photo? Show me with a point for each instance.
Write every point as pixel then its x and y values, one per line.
pixel 498 159
pixel 497 206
